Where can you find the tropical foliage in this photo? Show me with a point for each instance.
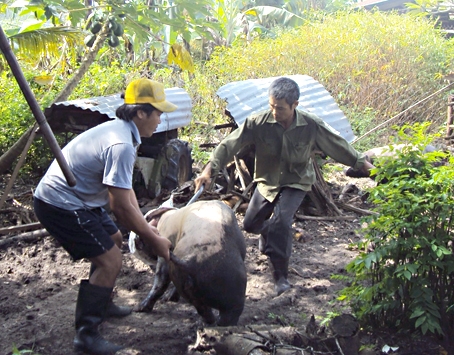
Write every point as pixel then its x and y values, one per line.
pixel 403 277
pixel 375 65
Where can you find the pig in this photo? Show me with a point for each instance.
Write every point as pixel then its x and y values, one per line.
pixel 380 152
pixel 207 262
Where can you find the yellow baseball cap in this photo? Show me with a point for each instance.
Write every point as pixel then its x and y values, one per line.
pixel 146 91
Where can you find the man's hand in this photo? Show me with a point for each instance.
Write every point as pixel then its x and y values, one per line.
pixel 124 205
pixel 367 167
pixel 204 178
pixel 161 246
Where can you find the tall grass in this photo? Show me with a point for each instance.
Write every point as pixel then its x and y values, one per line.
pixel 380 63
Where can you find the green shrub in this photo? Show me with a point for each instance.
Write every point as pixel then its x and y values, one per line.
pixel 16 116
pixel 406 279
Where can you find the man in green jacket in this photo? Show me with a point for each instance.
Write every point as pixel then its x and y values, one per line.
pixel 284 138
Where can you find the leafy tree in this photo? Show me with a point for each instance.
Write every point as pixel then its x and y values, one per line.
pixel 35 38
pixel 106 21
pixel 269 16
pixel 428 7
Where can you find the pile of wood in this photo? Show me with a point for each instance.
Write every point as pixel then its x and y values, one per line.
pixel 18 210
pixel 340 337
pixel 234 185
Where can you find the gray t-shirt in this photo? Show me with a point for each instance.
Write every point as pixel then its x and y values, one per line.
pixel 100 157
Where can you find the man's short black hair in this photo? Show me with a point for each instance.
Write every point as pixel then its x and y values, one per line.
pixel 128 112
pixel 285 88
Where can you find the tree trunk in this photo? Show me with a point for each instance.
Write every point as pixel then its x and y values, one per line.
pixel 8 158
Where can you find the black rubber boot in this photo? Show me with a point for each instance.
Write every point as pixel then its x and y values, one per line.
pixel 279 270
pixel 113 310
pixel 91 308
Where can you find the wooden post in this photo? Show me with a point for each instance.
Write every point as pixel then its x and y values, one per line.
pixel 449 126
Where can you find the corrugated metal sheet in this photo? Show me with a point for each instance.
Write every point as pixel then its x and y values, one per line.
pixel 80 115
pixel 249 96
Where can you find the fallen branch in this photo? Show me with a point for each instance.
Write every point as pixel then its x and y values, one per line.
pixel 302 217
pixel 243 196
pixel 356 209
pixel 243 173
pixel 265 339
pixel 22 227
pixel 347 189
pixel 322 188
pixel 24 237
pixel 296 272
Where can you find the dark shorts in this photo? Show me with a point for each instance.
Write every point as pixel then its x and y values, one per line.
pixel 82 233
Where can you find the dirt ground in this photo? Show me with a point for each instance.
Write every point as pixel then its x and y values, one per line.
pixel 39 284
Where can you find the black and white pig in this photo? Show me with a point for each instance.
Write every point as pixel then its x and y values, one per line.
pixel 381 152
pixel 207 264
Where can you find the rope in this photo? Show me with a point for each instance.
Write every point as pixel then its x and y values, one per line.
pixel 401 113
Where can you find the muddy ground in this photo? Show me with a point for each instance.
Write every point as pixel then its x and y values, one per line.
pixel 39 283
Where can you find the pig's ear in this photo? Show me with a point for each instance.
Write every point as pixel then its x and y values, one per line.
pixel 157 213
pixel 154 221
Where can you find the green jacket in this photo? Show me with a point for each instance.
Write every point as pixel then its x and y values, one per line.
pixel 283 157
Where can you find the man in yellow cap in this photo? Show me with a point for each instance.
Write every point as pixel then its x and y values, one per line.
pixel 102 161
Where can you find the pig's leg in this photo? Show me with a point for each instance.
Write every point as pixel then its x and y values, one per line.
pixel 189 291
pixel 172 294
pixel 160 284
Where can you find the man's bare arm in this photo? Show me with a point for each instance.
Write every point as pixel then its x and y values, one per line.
pixel 124 205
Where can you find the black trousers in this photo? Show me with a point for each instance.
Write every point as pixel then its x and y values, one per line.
pixel 273 220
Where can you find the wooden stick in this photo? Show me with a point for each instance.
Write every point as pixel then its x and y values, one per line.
pixel 240 173
pixel 243 171
pixel 243 196
pixel 357 209
pixel 449 116
pixel 325 218
pixel 24 237
pixel 324 190
pixel 35 225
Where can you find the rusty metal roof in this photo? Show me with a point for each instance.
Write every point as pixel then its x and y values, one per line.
pixel 249 96
pixel 79 115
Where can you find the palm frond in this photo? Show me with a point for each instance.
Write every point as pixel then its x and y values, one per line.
pixel 45 42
